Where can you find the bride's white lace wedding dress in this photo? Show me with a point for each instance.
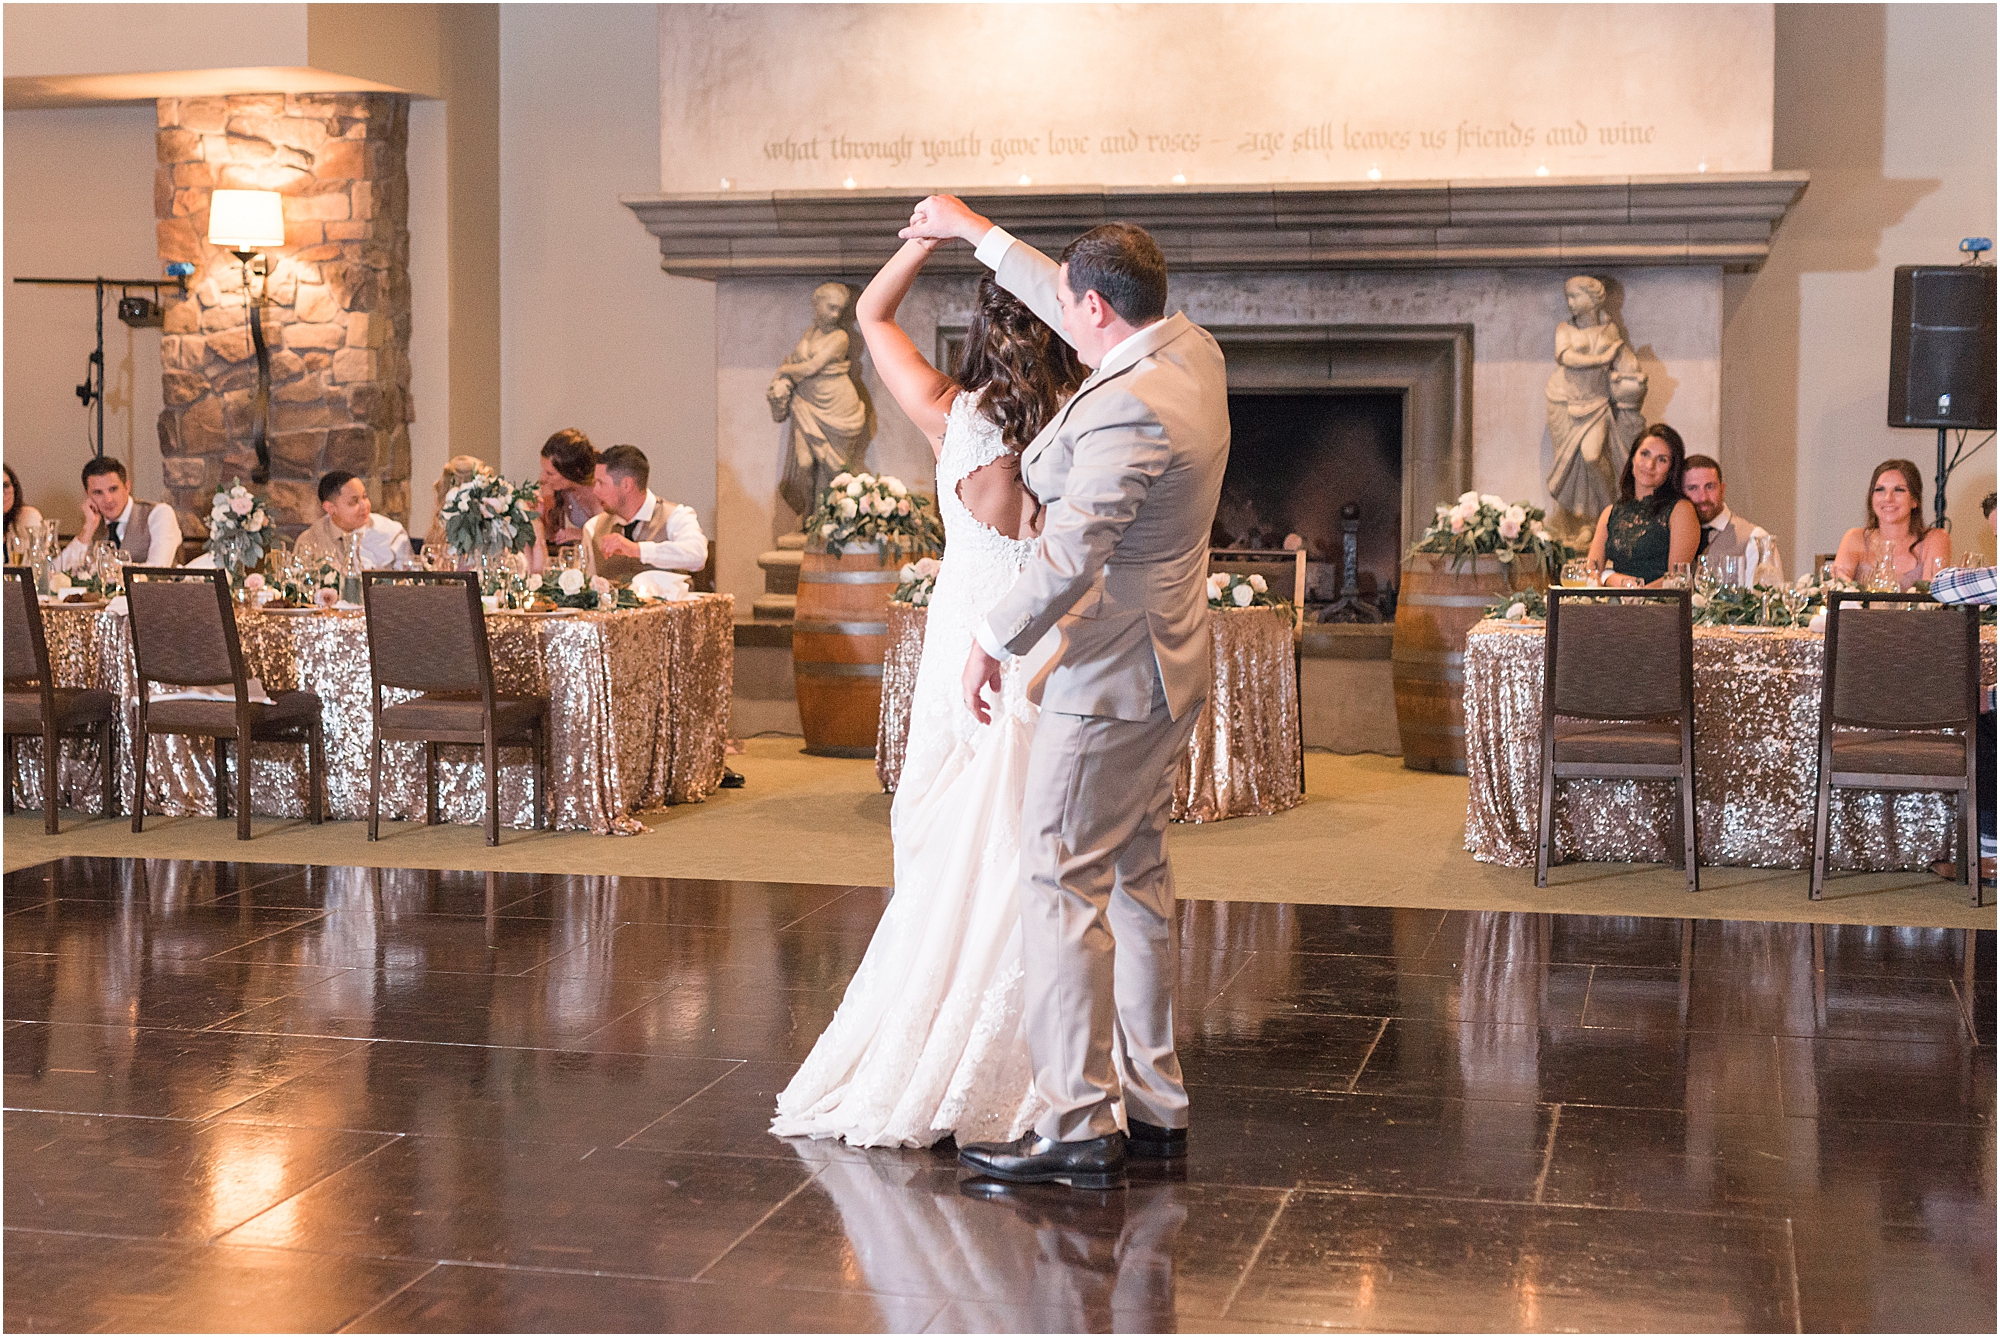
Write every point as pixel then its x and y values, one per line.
pixel 928 1040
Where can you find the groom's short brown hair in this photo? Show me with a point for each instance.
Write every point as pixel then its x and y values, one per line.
pixel 1123 265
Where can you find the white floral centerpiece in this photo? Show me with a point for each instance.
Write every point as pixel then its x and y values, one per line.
pixel 488 516
pixel 239 529
pixel 917 581
pixel 1483 525
pixel 1228 590
pixel 863 509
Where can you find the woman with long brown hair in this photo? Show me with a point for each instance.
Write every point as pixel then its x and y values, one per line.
pixel 928 1043
pixel 1893 542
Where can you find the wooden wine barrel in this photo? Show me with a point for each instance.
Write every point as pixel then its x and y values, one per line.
pixel 839 636
pixel 1434 609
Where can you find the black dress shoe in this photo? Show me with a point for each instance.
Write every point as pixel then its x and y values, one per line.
pixel 1097 1162
pixel 1151 1142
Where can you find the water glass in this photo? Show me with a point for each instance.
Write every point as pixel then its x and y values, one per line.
pixel 1576 573
pixel 1680 575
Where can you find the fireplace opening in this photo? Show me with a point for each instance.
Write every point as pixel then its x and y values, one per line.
pixel 1296 461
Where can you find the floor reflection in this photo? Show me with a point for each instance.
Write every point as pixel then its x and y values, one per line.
pixel 554 1089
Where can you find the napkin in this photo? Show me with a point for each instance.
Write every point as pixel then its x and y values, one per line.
pixel 670 585
pixel 117 606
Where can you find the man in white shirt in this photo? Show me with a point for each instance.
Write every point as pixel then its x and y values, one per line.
pixel 385 545
pixel 145 533
pixel 1723 533
pixel 637 531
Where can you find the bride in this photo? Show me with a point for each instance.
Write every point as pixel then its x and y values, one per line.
pixel 927 1042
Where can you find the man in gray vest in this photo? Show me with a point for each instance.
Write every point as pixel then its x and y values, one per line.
pixel 637 531
pixel 1723 532
pixel 145 533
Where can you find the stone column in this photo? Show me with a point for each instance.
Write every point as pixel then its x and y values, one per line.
pixel 337 311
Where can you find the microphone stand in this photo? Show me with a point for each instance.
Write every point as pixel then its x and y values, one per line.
pixel 92 389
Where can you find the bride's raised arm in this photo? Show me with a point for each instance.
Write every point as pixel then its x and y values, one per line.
pixel 921 390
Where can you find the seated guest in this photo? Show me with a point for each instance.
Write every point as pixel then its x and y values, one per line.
pixel 20 515
pixel 1895 536
pixel 1723 532
pixel 1651 527
pixel 385 546
pixel 1976 585
pixel 145 533
pixel 637 531
pixel 569 486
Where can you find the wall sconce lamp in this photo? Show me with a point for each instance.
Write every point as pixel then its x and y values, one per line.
pixel 245 223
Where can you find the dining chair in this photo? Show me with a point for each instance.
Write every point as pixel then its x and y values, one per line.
pixel 1618 701
pixel 1899 709
pixel 37 708
pixel 184 635
pixel 427 634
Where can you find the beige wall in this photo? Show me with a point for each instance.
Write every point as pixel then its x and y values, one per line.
pixel 1891 108
pixel 802 97
pixel 593 335
pixel 79 203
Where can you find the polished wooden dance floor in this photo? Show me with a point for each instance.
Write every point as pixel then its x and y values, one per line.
pixel 261 1096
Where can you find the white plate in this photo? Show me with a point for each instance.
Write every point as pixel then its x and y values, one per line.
pixel 81 605
pixel 277 611
pixel 546 612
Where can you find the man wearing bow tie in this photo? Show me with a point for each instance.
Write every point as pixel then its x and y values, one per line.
pixel 145 533
pixel 637 531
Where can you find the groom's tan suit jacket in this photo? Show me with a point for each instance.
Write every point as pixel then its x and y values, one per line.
pixel 1130 470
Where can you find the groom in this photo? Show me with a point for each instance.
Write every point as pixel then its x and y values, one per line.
pixel 1130 470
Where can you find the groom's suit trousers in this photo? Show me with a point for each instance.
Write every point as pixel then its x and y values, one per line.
pixel 1099 934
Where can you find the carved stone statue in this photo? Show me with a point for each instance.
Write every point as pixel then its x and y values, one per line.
pixel 819 389
pixel 1594 399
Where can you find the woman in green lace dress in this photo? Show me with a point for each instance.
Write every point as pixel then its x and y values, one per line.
pixel 1651 528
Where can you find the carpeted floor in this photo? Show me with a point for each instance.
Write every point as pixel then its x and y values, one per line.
pixel 1369 833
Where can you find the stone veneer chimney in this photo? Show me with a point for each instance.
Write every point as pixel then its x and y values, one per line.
pixel 337 311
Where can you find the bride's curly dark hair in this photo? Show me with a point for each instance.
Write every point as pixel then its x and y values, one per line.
pixel 1022 369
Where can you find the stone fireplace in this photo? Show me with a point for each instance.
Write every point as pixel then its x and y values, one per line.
pixel 1442 296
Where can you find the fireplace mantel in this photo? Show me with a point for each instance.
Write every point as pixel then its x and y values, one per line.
pixel 1710 219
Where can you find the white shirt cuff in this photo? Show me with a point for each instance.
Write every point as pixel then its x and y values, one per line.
pixel 984 634
pixel 992 247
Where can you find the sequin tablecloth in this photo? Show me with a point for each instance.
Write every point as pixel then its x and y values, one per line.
pixel 638 712
pixel 1756 701
pixel 1244 756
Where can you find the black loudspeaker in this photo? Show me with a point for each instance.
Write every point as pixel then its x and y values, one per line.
pixel 1941 367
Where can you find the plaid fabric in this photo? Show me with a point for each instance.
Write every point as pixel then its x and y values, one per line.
pixel 1957 585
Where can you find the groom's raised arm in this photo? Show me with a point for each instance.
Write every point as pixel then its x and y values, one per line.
pixel 1017 266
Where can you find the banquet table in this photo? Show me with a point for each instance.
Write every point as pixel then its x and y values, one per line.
pixel 1244 756
pixel 638 716
pixel 1756 742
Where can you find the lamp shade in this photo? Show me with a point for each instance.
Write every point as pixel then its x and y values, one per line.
pixel 246 220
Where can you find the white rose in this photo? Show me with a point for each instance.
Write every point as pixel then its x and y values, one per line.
pixel 1497 503
pixel 1469 500
pixel 895 486
pixel 1511 521
pixel 600 584
pixel 854 489
pixel 1216 581
pixel 571 581
pixel 908 573
pixel 928 567
pixel 848 508
pixel 1259 584
pixel 826 531
pixel 842 479
pixel 1516 611
pixel 1699 600
pixel 866 480
pixel 1243 595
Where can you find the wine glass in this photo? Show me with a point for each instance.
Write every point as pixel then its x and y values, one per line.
pixel 1795 601
pixel 1576 573
pixel 1679 576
